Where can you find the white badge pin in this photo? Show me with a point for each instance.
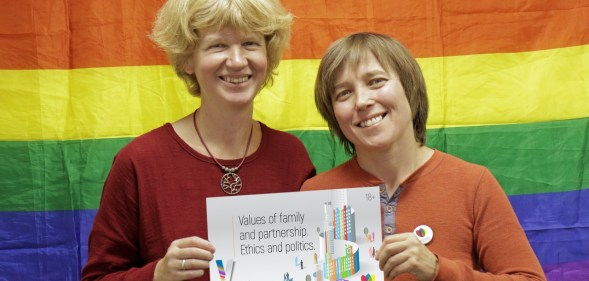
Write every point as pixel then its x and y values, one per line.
pixel 424 233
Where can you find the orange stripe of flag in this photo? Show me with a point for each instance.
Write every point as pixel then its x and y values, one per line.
pixel 58 34
pixel 443 28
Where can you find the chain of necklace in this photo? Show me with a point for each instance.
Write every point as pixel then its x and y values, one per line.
pixel 230 182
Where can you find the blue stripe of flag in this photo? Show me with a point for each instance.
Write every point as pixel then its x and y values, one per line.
pixel 53 245
pixel 557 224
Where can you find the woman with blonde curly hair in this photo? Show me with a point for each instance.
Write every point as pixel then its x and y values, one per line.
pixel 151 223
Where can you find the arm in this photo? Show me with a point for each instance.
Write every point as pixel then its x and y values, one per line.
pixel 117 247
pixel 113 245
pixel 501 245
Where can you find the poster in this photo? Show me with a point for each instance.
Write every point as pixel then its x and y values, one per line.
pixel 296 236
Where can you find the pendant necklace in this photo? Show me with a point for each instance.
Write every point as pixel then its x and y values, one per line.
pixel 230 182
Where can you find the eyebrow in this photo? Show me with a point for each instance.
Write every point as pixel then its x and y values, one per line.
pixel 250 36
pixel 370 73
pixel 210 37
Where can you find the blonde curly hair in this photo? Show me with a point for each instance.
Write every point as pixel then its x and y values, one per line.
pixel 177 22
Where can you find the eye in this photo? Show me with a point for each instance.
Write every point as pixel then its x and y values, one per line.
pixel 251 44
pixel 377 82
pixel 342 95
pixel 216 46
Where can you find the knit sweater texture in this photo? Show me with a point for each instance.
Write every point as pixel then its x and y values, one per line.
pixel 477 235
pixel 156 190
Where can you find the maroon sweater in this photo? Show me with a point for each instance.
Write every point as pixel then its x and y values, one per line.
pixel 155 193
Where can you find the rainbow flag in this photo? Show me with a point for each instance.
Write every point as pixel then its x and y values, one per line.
pixel 508 84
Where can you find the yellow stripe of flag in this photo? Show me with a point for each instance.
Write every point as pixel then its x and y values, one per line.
pixel 127 101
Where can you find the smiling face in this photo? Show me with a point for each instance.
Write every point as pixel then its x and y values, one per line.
pixel 370 106
pixel 347 63
pixel 230 65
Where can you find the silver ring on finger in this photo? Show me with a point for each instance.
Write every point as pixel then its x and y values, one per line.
pixel 183 264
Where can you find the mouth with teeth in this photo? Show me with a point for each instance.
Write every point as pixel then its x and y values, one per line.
pixel 372 121
pixel 236 80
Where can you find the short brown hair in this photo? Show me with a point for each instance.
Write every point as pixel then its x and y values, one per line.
pixel 176 25
pixel 392 56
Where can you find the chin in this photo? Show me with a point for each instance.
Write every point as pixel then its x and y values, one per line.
pixel 241 100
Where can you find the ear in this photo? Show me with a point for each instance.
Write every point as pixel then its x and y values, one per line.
pixel 188 67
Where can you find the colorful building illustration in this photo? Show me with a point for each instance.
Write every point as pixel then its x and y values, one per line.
pixel 221 269
pixel 340 254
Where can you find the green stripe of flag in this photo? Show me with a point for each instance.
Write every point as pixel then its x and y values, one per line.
pixel 528 158
pixel 55 175
pixel 525 158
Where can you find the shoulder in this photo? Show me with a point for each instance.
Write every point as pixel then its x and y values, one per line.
pixel 276 135
pixel 463 176
pixel 283 146
pixel 148 143
pixel 452 165
pixel 142 155
pixel 281 142
pixel 322 180
pixel 448 176
pixel 345 175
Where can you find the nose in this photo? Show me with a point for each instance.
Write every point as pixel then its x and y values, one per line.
pixel 363 98
pixel 236 57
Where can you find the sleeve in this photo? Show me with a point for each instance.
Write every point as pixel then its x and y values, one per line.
pixel 113 245
pixel 501 245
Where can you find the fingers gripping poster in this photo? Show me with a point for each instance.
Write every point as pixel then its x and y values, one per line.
pixel 296 236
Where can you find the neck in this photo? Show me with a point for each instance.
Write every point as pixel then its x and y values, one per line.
pixel 395 165
pixel 225 135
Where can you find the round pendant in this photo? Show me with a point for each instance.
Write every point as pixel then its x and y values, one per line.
pixel 231 183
